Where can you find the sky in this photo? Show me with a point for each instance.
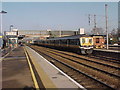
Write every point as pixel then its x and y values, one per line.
pixel 58 15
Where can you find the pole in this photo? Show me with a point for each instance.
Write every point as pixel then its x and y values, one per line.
pixel 11 28
pixel 94 21
pixel 1 19
pixel 1 23
pixel 106 25
pixel 89 19
pixel 95 24
pixel 60 33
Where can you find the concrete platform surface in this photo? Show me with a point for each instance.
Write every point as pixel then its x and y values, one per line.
pixel 57 77
pixel 15 70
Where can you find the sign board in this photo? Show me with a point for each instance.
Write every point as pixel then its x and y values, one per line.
pixel 14 29
pixel 48 29
pixel 11 33
pixel 81 31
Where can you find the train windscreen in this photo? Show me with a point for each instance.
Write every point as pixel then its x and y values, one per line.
pixel 87 41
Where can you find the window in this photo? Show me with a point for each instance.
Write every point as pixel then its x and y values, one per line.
pixel 74 42
pixel 83 40
pixel 63 41
pixel 86 40
pixel 90 41
pixel 52 41
pixel 97 40
pixel 56 41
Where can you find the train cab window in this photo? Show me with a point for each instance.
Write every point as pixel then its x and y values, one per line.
pixel 97 40
pixel 86 40
pixel 83 40
pixel 90 41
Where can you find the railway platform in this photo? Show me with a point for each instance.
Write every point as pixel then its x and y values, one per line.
pixel 15 70
pixel 24 68
pixel 50 75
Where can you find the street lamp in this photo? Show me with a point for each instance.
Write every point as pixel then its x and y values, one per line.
pixel 11 27
pixel 2 12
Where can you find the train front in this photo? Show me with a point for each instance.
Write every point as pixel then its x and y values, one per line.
pixel 86 45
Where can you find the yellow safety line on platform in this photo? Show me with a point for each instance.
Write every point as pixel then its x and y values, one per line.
pixel 45 79
pixel 32 73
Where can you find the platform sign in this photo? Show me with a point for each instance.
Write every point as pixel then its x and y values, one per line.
pixel 11 33
pixel 81 31
pixel 0 36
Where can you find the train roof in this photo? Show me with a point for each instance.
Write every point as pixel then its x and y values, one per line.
pixel 69 37
pixel 98 35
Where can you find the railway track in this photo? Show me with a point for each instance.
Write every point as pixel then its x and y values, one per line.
pixel 104 58
pixel 89 61
pixel 103 73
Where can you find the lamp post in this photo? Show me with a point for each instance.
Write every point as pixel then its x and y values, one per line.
pixel 2 12
pixel 11 27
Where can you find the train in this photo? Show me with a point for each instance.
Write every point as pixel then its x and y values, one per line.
pixel 99 41
pixel 79 43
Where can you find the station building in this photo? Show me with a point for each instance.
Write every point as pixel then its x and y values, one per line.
pixel 11 38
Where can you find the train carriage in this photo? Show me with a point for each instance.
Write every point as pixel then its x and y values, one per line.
pixel 99 41
pixel 78 43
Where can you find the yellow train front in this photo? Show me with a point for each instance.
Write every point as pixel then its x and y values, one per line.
pixel 79 43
